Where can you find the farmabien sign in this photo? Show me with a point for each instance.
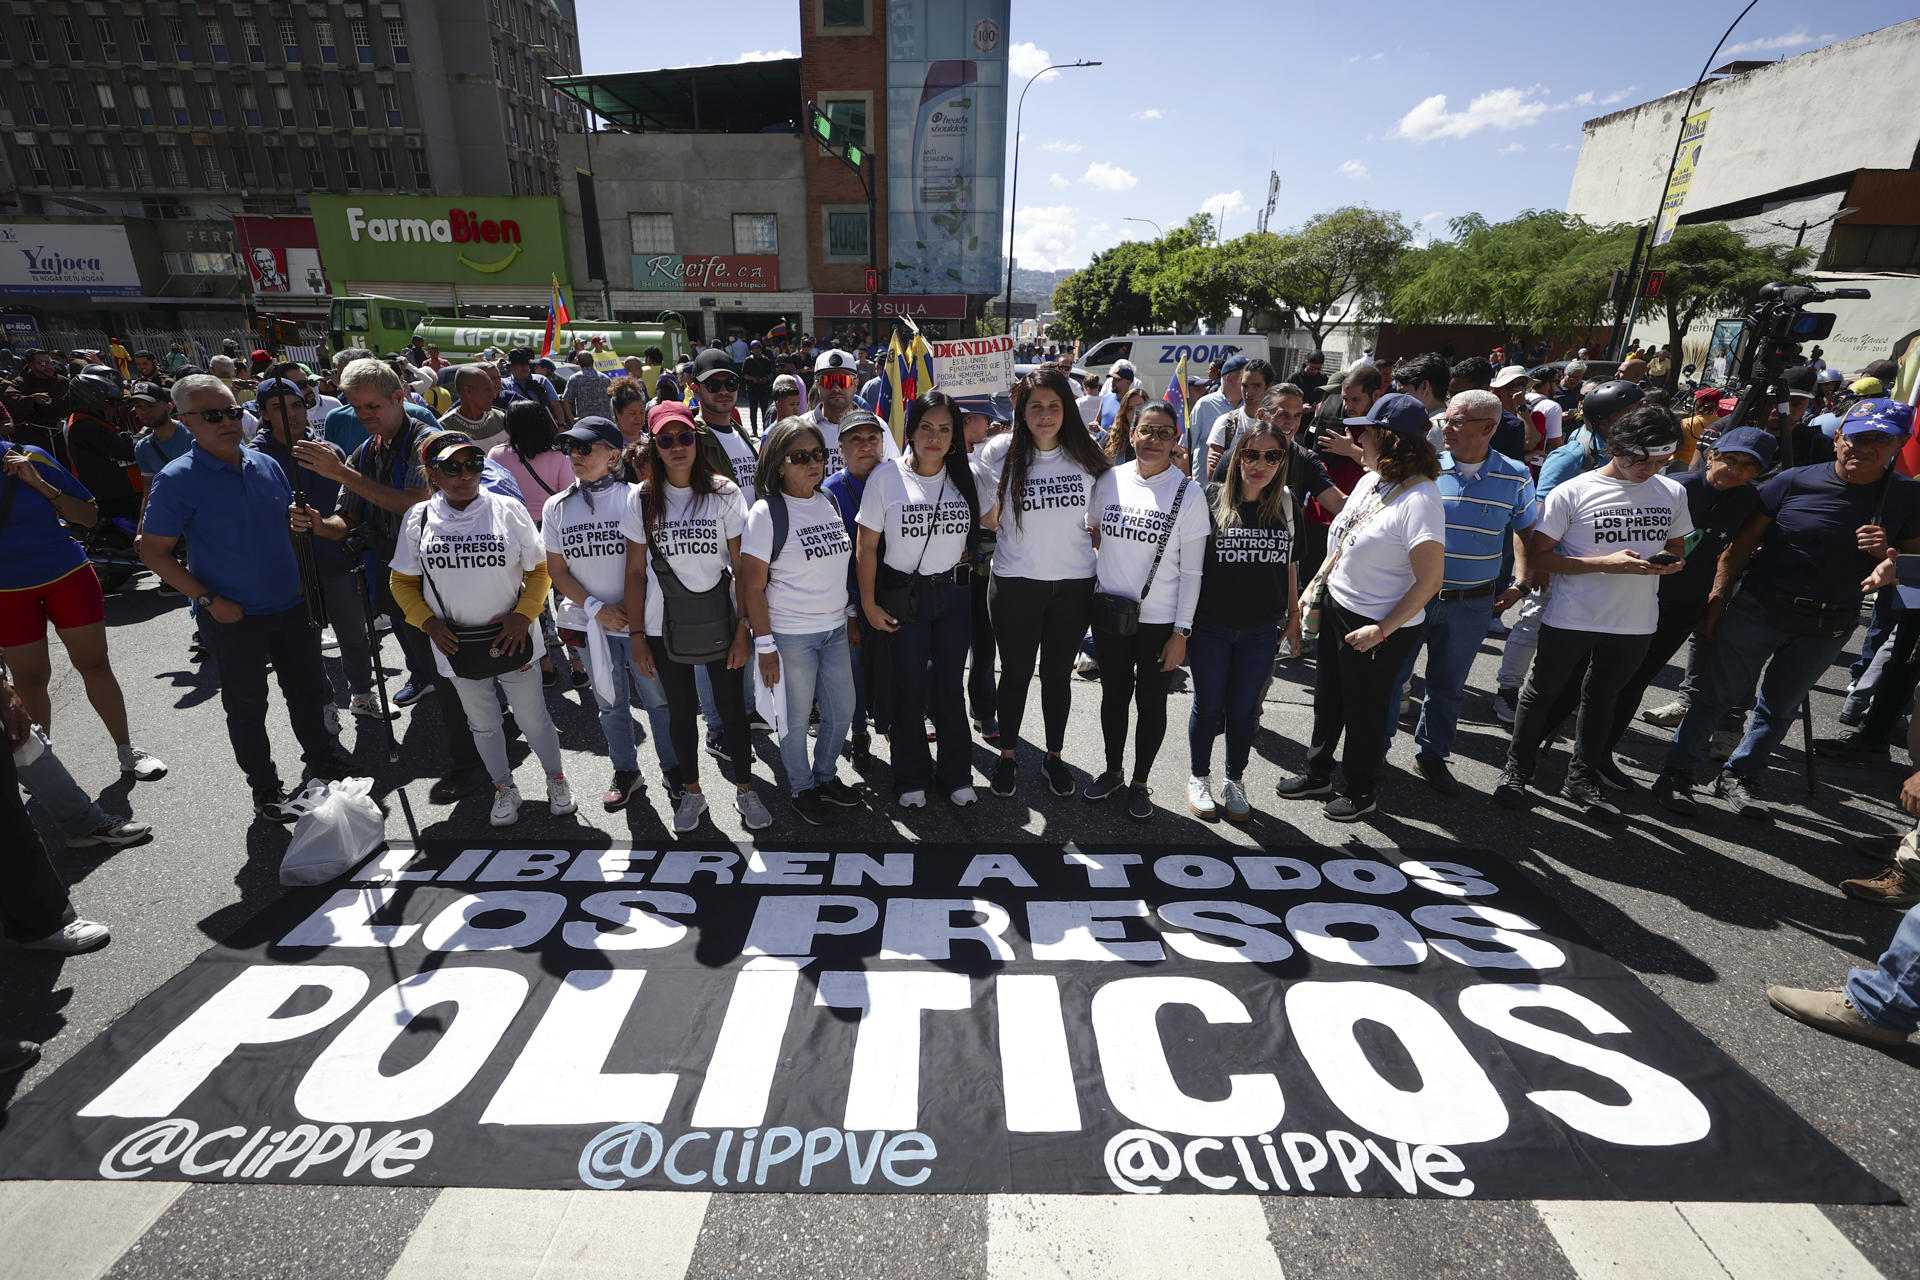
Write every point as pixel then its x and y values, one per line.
pixel 1046 1019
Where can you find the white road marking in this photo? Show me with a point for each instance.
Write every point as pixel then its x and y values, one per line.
pixel 1638 1240
pixel 75 1230
pixel 485 1233
pixel 1160 1237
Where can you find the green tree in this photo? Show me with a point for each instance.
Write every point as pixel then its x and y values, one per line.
pixel 1112 295
pixel 1335 265
pixel 1711 268
pixel 1066 307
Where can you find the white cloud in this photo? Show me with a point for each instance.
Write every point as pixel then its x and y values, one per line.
pixel 1025 59
pixel 1590 100
pixel 1369 57
pixel 1067 148
pixel 1048 238
pixel 1798 38
pixel 1224 205
pixel 1151 113
pixel 1503 109
pixel 766 55
pixel 1109 177
pixel 1425 218
pixel 1055 180
pixel 1353 169
pixel 1512 149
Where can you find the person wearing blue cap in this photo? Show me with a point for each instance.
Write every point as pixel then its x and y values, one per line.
pixel 1806 556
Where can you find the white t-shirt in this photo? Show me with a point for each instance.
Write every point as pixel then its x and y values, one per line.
pixel 478 560
pixel 1227 428
pixel 1132 514
pixel 1089 407
pixel 317 415
pixel 807 582
pixel 741 454
pixel 900 504
pixel 593 543
pixel 830 436
pixel 1048 541
pixel 1597 515
pixel 1550 415
pixel 1376 570
pixel 692 536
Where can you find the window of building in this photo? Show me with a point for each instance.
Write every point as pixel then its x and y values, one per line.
pixel 652 232
pixel 216 41
pixel 755 233
pixel 277 173
pixel 175 163
pixel 137 167
pixel 397 37
pixel 289 40
pixel 843 17
pixel 323 36
pixel 177 33
pixel 356 107
pixel 383 167
pixel 249 105
pixel 350 168
pixel 103 161
pixel 849 113
pixel 36 105
pixel 215 113
pixel 1858 248
pixel 216 176
pixel 143 37
pixel 70 161
pixel 142 103
pixel 250 40
pixel 513 178
pixel 390 103
pixel 243 160
pixel 283 103
pixel 496 64
pixel 70 33
pixel 422 174
pixel 103 94
pixel 322 114
pixel 36 46
pixel 513 125
pixel 103 32
pixel 362 36
pixel 37 166
pixel 844 232
pixel 316 166
pixel 200 264
pixel 70 100
pixel 177 104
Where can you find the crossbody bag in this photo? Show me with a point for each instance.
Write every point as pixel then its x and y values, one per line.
pixel 902 600
pixel 1313 599
pixel 1119 615
pixel 479 656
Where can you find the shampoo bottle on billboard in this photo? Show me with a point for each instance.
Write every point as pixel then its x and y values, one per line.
pixel 943 165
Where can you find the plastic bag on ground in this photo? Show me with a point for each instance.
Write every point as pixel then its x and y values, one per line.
pixel 339 825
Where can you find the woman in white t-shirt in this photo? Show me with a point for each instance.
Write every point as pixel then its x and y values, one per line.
pixel 1037 484
pixel 793 585
pixel 689 519
pixel 1140 507
pixel 587 559
pixel 469 557
pixel 1386 558
pixel 917 517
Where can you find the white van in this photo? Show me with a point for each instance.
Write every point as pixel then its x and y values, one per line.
pixel 1155 356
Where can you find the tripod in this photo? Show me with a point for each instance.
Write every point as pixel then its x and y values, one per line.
pixel 373 641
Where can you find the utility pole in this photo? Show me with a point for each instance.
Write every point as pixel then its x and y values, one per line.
pixel 1013 197
pixel 855 157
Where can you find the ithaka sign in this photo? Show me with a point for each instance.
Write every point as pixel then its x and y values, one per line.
pixel 1051 1019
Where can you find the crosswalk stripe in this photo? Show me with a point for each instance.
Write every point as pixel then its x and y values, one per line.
pixel 75 1230
pixel 1159 1237
pixel 485 1233
pixel 1629 1240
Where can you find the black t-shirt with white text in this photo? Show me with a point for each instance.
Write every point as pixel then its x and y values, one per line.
pixel 1244 583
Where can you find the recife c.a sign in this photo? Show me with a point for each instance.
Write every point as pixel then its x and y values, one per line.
pixel 503 239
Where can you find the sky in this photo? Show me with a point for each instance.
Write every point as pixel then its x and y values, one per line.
pixel 1415 113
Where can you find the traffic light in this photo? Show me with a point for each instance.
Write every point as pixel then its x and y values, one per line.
pixel 1656 280
pixel 876 280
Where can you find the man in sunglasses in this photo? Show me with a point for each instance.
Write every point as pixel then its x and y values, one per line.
pixel 834 376
pixel 716 388
pixel 245 587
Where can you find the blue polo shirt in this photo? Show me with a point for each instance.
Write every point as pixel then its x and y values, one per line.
pixel 342 427
pixel 1581 453
pixel 235 523
pixel 322 494
pixel 848 492
pixel 1481 514
pixel 35 547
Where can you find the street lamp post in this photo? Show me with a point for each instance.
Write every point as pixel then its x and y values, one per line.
pixel 1158 230
pixel 1013 197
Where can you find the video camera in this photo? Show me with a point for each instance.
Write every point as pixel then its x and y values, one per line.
pixel 1776 326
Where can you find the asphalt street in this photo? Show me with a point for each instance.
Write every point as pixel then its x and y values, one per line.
pixel 1705 914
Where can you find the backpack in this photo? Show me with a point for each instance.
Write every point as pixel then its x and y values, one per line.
pixel 777 508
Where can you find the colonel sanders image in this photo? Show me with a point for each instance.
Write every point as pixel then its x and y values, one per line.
pixel 266 271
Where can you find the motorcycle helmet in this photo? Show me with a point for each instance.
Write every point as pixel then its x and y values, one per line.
pixel 95 390
pixel 1608 399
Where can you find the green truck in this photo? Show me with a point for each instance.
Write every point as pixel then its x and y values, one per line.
pixel 389 324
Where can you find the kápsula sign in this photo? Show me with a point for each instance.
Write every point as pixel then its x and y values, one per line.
pixel 1051 1019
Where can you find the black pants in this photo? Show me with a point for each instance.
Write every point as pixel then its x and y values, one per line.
pixel 1610 661
pixel 683 712
pixel 1033 617
pixel 759 402
pixel 980 691
pixel 1353 694
pixel 1678 620
pixel 464 756
pixel 1130 672
pixel 290 642
pixel 1895 686
pixel 33 901
pixel 925 661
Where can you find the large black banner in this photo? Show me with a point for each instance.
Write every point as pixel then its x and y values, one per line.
pixel 1046 1019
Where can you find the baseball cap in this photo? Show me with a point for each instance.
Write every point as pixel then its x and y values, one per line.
pixel 1395 411
pixel 834 359
pixel 709 362
pixel 275 387
pixel 667 387
pixel 1234 363
pixel 445 445
pixel 1510 374
pixel 260 356
pixel 994 408
pixel 667 413
pixel 151 392
pixel 1829 424
pixel 1867 387
pixel 1829 375
pixel 595 430
pixel 520 355
pixel 858 420
pixel 1878 414
pixel 1752 441
pixel 1123 369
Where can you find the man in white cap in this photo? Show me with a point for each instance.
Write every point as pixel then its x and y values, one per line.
pixel 834 373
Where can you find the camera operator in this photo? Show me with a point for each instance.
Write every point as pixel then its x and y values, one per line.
pixel 382 479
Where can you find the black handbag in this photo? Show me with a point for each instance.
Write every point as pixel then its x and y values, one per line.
pixel 696 626
pixel 1119 615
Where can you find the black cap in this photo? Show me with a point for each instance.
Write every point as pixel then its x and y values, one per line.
pixel 711 361
pixel 859 420
pixel 520 355
pixel 151 392
pixel 595 430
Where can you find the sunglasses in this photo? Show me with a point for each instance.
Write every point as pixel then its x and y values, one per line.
pixel 1160 431
pixel 721 384
pixel 572 447
pixel 836 380
pixel 801 457
pixel 459 466
pixel 674 439
pixel 213 417
pixel 1272 457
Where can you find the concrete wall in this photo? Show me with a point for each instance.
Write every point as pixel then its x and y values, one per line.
pixel 1845 107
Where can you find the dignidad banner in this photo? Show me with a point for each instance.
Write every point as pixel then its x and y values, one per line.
pixel 946 1019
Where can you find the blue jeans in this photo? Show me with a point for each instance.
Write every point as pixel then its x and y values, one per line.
pixel 1886 612
pixel 616 714
pixel 527 697
pixel 928 658
pixel 1743 645
pixel 1454 630
pixel 55 788
pixel 815 667
pixel 1890 995
pixel 1229 668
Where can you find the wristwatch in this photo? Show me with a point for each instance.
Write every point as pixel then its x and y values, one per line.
pixel 204 600
pixel 1185 633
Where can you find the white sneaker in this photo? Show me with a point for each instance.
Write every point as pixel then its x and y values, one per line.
pixel 1200 798
pixel 559 796
pixel 1233 800
pixel 913 800
pixel 364 705
pixel 1084 664
pixel 1666 717
pixel 143 767
pixel 506 806
pixel 114 831
pixel 753 814
pixel 330 716
pixel 72 938
pixel 687 816
pixel 964 797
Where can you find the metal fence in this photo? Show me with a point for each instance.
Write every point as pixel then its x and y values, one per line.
pixel 199 343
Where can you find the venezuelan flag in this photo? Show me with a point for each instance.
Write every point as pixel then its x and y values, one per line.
pixel 1177 396
pixel 779 332
pixel 909 371
pixel 557 320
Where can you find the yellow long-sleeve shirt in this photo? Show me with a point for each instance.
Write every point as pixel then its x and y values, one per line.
pixel 407 593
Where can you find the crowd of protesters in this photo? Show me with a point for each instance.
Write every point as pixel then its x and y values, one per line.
pixel 794 563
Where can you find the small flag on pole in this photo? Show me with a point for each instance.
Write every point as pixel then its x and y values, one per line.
pixel 557 320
